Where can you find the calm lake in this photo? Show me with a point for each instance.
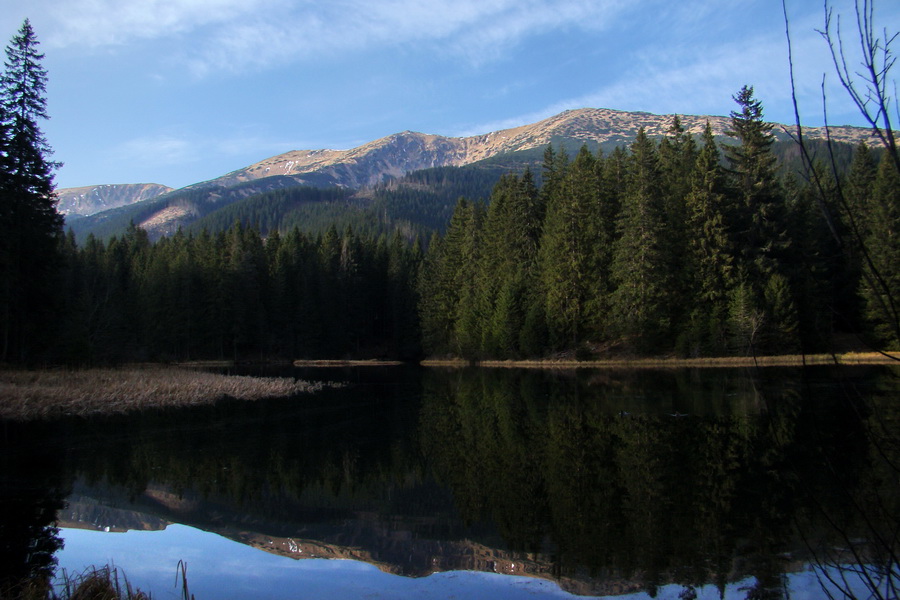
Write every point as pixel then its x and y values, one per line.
pixel 478 483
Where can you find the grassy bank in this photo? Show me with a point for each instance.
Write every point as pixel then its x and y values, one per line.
pixel 28 395
pixel 850 358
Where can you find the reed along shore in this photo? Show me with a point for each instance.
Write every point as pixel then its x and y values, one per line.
pixel 45 394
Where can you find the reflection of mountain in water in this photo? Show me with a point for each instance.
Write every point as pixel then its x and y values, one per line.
pixel 394 545
pixel 587 478
pixel 102 509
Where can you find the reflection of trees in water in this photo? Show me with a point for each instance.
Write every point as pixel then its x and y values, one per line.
pixel 333 453
pixel 655 477
pixel 860 511
pixel 663 477
pixel 32 490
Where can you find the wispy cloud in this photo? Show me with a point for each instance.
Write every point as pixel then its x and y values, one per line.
pixel 115 22
pixel 237 35
pixel 686 75
pixel 160 150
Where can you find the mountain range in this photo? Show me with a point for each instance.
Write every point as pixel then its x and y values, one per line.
pixel 108 209
pixel 84 201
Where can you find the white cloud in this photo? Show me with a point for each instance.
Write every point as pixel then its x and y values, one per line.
pixel 237 35
pixel 114 22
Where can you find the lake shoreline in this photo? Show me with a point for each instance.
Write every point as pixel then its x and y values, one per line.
pixel 799 360
pixel 57 393
pixel 373 362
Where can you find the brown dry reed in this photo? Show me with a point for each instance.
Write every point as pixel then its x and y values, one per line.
pixel 29 395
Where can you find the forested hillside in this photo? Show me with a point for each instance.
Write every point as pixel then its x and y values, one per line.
pixel 673 246
pixel 233 295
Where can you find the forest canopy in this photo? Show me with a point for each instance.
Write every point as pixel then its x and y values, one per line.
pixel 678 246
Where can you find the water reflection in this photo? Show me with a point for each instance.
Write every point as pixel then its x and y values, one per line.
pixel 33 487
pixel 660 478
pixel 607 482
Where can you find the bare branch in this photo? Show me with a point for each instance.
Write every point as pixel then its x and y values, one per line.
pixel 877 60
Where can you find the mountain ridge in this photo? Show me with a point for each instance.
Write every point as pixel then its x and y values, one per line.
pixel 589 125
pixel 395 155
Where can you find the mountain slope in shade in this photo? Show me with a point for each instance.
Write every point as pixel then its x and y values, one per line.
pixel 88 200
pixel 401 153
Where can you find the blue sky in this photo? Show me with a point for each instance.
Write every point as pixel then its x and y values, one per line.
pixel 180 91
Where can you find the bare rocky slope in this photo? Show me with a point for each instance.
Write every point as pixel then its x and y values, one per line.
pixel 84 201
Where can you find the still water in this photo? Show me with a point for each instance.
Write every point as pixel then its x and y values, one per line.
pixel 480 483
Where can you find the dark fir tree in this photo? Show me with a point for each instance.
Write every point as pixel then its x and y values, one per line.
pixel 760 233
pixel 567 258
pixel 709 260
pixel 757 195
pixel 677 155
pixel 30 226
pixel 817 266
pixel 448 308
pixel 855 214
pixel 507 269
pixel 640 303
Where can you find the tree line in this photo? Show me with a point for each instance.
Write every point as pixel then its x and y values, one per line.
pixel 678 246
pixel 237 296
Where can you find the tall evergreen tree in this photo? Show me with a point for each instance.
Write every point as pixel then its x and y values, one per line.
pixel 853 223
pixel 567 260
pixel 760 225
pixel 759 201
pixel 448 302
pixel 640 304
pixel 30 226
pixel 510 244
pixel 709 261
pixel 677 155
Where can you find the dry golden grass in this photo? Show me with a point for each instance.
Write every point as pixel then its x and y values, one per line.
pixel 26 395
pixel 850 358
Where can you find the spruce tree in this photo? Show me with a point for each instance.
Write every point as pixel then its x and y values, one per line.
pixel 758 195
pixel 30 226
pixel 759 224
pixel 677 155
pixel 640 303
pixel 855 218
pixel 612 176
pixel 448 299
pixel 567 260
pixel 709 261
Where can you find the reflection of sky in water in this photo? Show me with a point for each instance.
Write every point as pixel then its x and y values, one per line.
pixel 222 569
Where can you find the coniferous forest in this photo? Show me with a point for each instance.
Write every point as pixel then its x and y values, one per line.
pixel 679 246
